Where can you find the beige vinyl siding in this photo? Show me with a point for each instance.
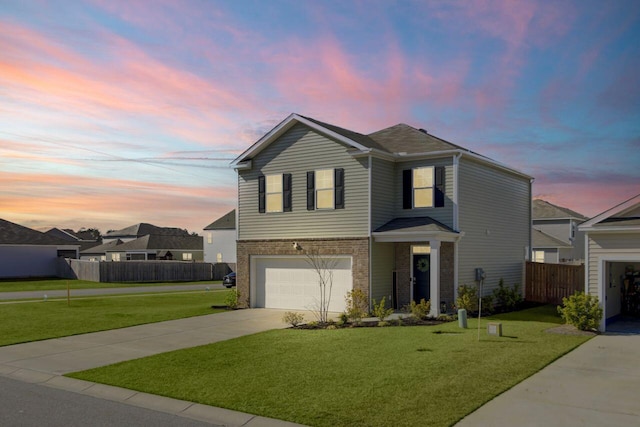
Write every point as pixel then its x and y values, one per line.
pixel 383 199
pixel 495 217
pixel 443 214
pixel 296 152
pixel 558 228
pixel 601 244
pixel 382 266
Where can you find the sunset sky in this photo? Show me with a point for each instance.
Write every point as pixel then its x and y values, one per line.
pixel 119 112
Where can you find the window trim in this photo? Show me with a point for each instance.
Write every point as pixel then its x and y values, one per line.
pixel 438 188
pixel 285 192
pixel 338 190
pixel 415 188
pixel 332 188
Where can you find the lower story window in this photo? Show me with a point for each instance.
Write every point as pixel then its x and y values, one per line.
pixel 188 256
pixel 538 256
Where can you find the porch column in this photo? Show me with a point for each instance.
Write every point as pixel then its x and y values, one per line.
pixel 434 277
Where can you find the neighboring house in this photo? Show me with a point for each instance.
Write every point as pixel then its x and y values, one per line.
pixel 220 240
pixel 398 213
pixel 142 229
pixel 556 238
pixel 147 242
pixel 99 253
pixel 155 247
pixel 613 260
pixel 29 253
pixel 85 239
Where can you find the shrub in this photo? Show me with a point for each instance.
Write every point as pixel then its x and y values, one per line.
pixel 232 298
pixel 508 299
pixel 420 310
pixel 487 305
pixel 582 311
pixel 467 298
pixel 380 311
pixel 343 319
pixel 293 318
pixel 357 305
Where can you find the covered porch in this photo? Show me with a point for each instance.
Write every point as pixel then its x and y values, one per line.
pixel 424 262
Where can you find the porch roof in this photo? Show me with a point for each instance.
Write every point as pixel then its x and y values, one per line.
pixel 415 229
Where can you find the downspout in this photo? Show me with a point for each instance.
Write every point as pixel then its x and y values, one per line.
pixel 369 228
pixel 456 223
pixel 529 249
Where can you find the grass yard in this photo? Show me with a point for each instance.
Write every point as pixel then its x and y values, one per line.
pixel 56 284
pixel 392 376
pixel 32 321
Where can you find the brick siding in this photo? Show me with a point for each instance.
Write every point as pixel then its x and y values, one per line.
pixel 358 249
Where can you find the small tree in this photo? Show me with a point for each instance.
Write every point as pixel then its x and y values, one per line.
pixel 323 266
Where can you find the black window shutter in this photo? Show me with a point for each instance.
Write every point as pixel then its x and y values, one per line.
pixel 339 188
pixel 439 190
pixel 311 191
pixel 286 188
pixel 407 190
pixel 261 194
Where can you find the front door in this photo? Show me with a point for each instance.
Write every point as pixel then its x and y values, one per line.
pixel 421 277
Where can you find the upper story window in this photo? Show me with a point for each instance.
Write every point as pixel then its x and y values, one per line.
pixel 274 193
pixel 325 189
pixel 209 238
pixel 423 187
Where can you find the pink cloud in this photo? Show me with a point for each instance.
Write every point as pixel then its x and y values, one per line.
pixel 109 203
pixel 133 83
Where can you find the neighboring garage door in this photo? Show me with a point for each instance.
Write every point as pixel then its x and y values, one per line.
pixel 291 283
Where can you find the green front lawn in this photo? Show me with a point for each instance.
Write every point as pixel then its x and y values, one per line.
pixel 32 321
pixel 56 284
pixel 392 376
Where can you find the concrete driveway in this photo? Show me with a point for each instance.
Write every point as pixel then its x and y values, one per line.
pixel 597 384
pixel 43 362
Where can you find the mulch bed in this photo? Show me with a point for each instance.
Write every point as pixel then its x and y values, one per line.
pixel 407 321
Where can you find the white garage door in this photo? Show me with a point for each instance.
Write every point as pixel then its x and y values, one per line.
pixel 291 283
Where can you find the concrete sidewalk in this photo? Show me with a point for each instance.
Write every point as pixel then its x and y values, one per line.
pixel 597 384
pixel 44 362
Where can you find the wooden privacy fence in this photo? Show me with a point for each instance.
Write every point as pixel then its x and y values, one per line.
pixel 137 271
pixel 549 283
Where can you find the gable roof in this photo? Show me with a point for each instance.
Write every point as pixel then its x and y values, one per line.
pixel 101 249
pixel 396 143
pixel 144 228
pixel 415 229
pixel 225 222
pixel 622 217
pixel 540 239
pixel 545 210
pixel 157 242
pixel 15 234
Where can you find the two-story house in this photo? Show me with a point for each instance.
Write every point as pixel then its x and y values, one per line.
pixel 400 214
pixel 556 238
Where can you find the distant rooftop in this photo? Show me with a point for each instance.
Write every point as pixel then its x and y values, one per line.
pixel 143 229
pixel 15 234
pixel 225 222
pixel 545 210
